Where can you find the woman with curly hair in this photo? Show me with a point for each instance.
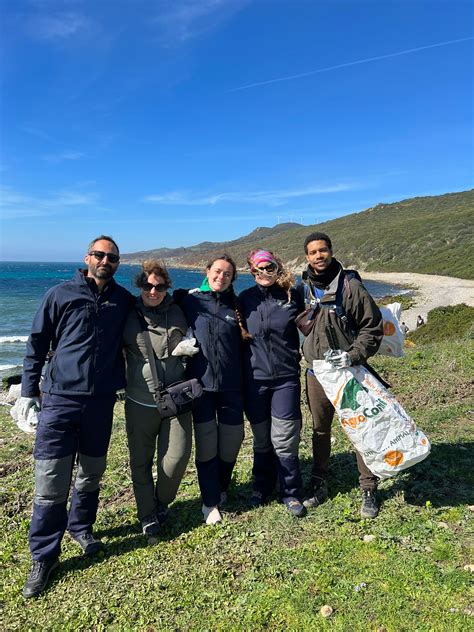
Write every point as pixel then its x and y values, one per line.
pixel 272 380
pixel 150 438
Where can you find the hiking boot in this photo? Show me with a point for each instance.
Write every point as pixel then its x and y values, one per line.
pixel 151 525
pixel 88 543
pixel 295 507
pixel 369 507
pixel 257 499
pixel 212 515
pixel 320 494
pixel 38 577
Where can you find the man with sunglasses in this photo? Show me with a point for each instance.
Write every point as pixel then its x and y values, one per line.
pixel 78 330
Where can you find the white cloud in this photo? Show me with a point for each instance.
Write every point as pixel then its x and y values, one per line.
pixel 15 205
pixel 59 26
pixel 63 156
pixel 186 19
pixel 268 198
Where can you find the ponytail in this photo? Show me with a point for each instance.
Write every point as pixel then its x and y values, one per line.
pixel 246 337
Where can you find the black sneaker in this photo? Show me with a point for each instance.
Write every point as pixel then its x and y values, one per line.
pixel 295 507
pixel 320 494
pixel 257 499
pixel 38 577
pixel 369 507
pixel 162 513
pixel 151 525
pixel 88 543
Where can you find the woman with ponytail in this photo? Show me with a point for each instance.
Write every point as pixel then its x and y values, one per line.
pixel 213 315
pixel 272 380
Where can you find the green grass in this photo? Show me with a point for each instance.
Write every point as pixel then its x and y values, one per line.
pixel 263 570
pixel 444 323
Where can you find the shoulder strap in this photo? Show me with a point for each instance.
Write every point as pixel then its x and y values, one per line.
pixel 343 286
pixel 151 362
pixel 151 354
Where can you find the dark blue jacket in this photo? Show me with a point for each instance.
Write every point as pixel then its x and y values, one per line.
pixel 81 330
pixel 211 316
pixel 270 319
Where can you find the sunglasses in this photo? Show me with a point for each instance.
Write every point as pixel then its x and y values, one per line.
pixel 159 287
pixel 99 255
pixel 271 268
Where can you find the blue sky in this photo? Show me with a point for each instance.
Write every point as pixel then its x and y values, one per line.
pixel 167 123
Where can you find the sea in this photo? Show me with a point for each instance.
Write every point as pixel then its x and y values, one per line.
pixel 22 286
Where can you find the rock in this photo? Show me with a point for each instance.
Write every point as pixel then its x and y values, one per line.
pixel 368 538
pixel 443 525
pixel 471 507
pixel 326 611
pixel 469 567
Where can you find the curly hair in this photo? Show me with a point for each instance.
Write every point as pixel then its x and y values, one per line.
pixel 152 266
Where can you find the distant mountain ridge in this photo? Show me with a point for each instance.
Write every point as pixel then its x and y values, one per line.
pixel 431 235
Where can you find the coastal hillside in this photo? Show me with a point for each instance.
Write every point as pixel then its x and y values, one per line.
pixel 431 235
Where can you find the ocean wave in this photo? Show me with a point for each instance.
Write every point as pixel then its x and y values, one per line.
pixel 12 339
pixel 7 367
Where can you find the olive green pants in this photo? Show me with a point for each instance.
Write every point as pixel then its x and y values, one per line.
pixel 166 440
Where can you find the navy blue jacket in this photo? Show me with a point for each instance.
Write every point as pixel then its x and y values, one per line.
pixel 80 330
pixel 211 316
pixel 270 319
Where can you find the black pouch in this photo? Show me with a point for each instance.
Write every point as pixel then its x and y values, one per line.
pixel 178 398
pixel 305 321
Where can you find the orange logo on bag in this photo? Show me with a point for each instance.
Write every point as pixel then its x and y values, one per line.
pixel 394 458
pixel 388 328
pixel 353 422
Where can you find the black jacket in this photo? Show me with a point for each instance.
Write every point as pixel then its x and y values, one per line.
pixel 269 317
pixel 80 330
pixel 212 318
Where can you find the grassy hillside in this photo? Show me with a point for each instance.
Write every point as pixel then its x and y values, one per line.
pixel 261 569
pixel 432 235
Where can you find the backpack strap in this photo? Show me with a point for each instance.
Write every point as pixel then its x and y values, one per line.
pixel 343 286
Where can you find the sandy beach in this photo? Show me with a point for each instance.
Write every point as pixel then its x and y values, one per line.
pixel 430 291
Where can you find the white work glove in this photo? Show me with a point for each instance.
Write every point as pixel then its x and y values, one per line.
pixel 339 359
pixel 25 413
pixel 187 346
pixel 25 403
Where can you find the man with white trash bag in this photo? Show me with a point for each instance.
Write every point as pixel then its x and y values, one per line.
pixel 342 325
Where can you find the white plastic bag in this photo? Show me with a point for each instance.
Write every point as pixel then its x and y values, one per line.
pixel 393 337
pixel 379 428
pixel 26 421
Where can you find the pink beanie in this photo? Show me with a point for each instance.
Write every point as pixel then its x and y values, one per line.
pixel 257 257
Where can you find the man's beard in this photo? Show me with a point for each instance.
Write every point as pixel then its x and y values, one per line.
pixel 102 272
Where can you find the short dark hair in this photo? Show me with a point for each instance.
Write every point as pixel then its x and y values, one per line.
pixel 153 266
pixel 102 238
pixel 316 237
pixel 223 257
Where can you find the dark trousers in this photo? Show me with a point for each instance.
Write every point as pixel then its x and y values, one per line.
pixel 69 428
pixel 218 432
pixel 273 410
pixel 322 412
